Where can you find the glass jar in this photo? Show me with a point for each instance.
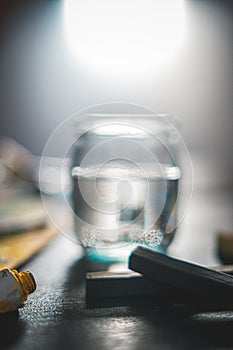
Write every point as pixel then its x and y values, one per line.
pixel 125 182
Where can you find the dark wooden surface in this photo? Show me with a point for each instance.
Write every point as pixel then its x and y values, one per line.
pixel 56 316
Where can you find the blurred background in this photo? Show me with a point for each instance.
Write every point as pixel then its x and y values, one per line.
pixel 58 57
pixel 174 56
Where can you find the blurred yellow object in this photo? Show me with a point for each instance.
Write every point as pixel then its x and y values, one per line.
pixel 17 248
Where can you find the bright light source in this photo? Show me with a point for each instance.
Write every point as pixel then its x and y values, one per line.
pixel 124 36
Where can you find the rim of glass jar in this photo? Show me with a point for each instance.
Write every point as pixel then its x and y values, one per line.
pixel 89 121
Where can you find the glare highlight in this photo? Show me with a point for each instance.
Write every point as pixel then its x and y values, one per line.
pixel 126 37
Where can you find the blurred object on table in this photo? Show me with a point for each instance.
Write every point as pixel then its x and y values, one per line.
pixel 20 167
pixel 24 227
pixel 225 246
pixel 16 249
pixel 20 211
pixel 18 162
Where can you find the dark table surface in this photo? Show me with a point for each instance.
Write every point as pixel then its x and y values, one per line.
pixel 57 316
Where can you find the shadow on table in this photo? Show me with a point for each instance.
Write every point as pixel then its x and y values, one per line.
pixel 137 322
pixel 183 326
pixel 11 329
pixel 77 272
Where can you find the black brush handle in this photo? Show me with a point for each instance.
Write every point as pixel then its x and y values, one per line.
pixel 210 285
